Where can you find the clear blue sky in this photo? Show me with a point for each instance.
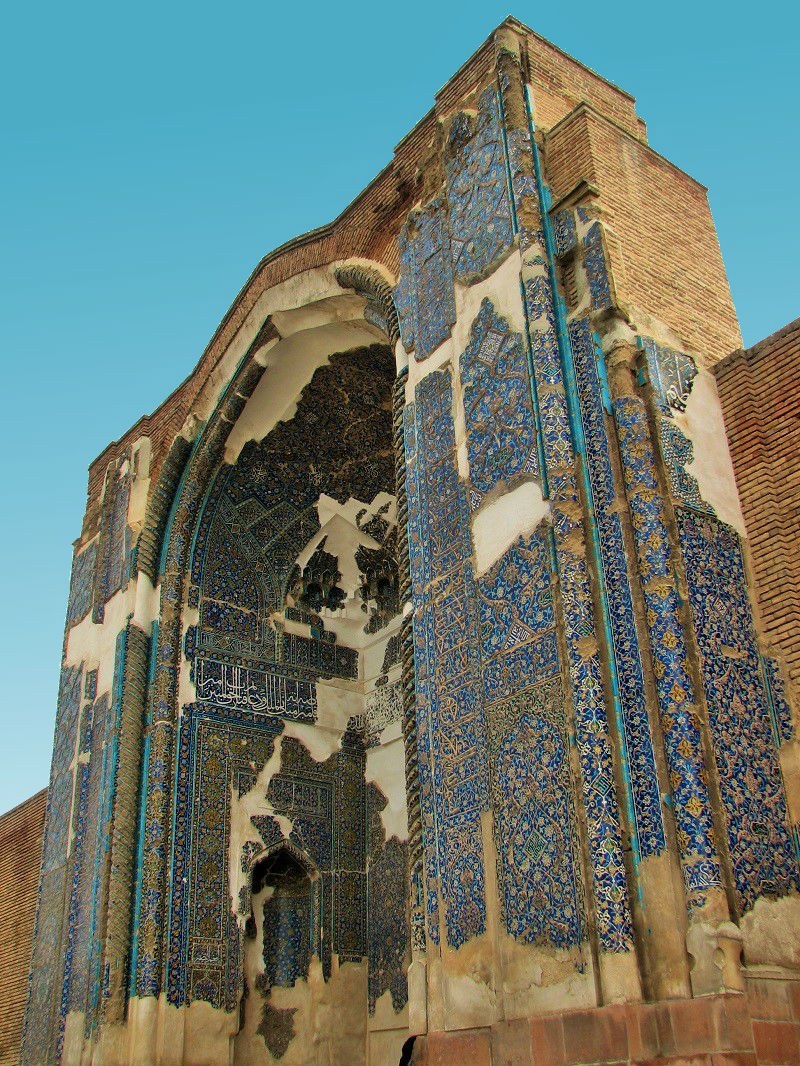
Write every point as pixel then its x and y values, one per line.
pixel 153 153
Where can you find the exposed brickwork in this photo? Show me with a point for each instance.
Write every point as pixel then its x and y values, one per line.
pixel 21 831
pixel 657 218
pixel 760 1028
pixel 760 393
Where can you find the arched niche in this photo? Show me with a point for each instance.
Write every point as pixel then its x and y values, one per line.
pixel 289 486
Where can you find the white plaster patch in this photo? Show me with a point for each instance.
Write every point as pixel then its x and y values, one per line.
pixel 320 743
pixel 290 366
pixel 712 467
pixel 254 801
pixel 502 287
pixel 498 525
pixel 386 768
pixel 90 643
pixel 148 597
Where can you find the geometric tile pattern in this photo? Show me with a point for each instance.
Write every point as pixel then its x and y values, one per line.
pixel 81 584
pixel 534 820
pixel 47 990
pixel 257 517
pixel 221 752
pixel 607 864
pixel 671 374
pixel 450 725
pixel 424 295
pixel 759 841
pixel 387 914
pixel 649 828
pixel 115 541
pixel 477 191
pixel 678 451
pixel 784 723
pixel 594 262
pixel 691 802
pixel 501 434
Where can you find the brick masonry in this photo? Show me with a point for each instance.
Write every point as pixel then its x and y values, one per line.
pixel 758 1028
pixel 21 831
pixel 760 393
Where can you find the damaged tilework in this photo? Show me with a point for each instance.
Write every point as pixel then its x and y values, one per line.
pixel 418 567
pixel 677 702
pixel 287 931
pixel 534 819
pixel 81 584
pixel 47 988
pixel 784 724
pixel 116 539
pixel 607 864
pixel 565 233
pixel 501 433
pixel 450 723
pixel 382 707
pixel 221 752
pixel 481 225
pixel 626 653
pixel 671 374
pixel 387 915
pixel 260 513
pixel 204 949
pixel 594 261
pixel 760 845
pixel 424 296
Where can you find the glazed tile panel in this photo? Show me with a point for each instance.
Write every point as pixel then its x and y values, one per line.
pixel 501 432
pixel 690 798
pixel 534 819
pixel 424 296
pixel 81 584
pixel 221 753
pixel 418 566
pixel 45 1008
pixel 625 651
pixel 607 863
pixel 450 723
pixel 481 226
pixel 759 840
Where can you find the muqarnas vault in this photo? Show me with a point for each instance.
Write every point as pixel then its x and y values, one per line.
pixel 412 683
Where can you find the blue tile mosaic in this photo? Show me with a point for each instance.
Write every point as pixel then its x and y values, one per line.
pixel 450 723
pixel 608 877
pixel 424 295
pixel 534 819
pixel 594 261
pixel 565 232
pixel 82 584
pixel 677 700
pixel 638 740
pixel 671 374
pixel 478 199
pixel 387 909
pixel 759 842
pixel 784 722
pixel 501 432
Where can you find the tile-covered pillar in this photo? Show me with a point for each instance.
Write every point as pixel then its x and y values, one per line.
pixel 593 547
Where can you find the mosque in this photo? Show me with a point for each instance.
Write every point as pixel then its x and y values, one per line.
pixel 427 683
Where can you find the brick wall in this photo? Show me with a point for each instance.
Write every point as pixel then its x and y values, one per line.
pixel 760 393
pixel 21 832
pixel 663 247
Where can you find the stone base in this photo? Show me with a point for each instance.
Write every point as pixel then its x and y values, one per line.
pixel 760 1027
